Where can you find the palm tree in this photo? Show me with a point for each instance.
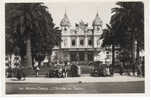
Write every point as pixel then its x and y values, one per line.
pixel 128 22
pixel 109 40
pixel 30 25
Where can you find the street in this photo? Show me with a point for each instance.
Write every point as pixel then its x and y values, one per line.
pixel 75 88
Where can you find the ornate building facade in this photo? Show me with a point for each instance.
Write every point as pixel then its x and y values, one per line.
pixel 81 44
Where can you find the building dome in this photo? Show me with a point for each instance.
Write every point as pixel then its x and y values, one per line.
pixel 97 21
pixel 65 21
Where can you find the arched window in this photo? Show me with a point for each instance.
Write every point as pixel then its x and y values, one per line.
pixel 65 29
pixel 81 41
pixel 90 42
pixel 73 42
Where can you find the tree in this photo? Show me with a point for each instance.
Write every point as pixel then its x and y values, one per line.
pixel 31 28
pixel 126 27
pixel 109 40
pixel 128 20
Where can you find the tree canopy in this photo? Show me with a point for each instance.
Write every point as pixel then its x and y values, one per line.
pixel 125 28
pixel 126 22
pixel 30 20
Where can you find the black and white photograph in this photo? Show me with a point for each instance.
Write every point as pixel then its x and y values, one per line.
pixel 75 47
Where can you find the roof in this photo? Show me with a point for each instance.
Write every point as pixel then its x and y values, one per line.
pixel 65 21
pixel 97 21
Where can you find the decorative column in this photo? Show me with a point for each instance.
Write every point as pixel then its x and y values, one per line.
pixel 86 41
pixel 77 55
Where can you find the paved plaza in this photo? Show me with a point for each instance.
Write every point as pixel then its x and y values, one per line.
pixel 76 85
pixel 115 78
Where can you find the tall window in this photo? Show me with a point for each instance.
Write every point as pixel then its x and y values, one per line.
pixel 90 41
pixel 81 42
pixel 108 55
pixel 73 42
pixel 81 56
pixel 73 56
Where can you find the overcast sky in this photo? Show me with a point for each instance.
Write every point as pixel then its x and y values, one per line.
pixel 78 11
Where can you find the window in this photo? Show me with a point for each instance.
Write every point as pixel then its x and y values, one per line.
pixel 81 42
pixel 90 56
pixel 73 56
pixel 107 52
pixel 73 42
pixel 90 41
pixel 81 56
pixel 65 29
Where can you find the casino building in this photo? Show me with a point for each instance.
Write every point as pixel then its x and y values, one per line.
pixel 81 44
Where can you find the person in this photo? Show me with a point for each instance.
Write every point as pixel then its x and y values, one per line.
pixel 20 73
pixel 139 69
pixel 108 69
pixel 73 70
pixel 111 70
pixel 60 70
pixel 143 74
pixel 64 70
pixel 121 68
pixel 16 62
pixel 37 69
pixel 16 69
pixel 79 70
pixel 9 72
pixel 23 74
pixel 8 68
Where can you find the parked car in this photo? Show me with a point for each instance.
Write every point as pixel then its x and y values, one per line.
pixel 61 71
pixel 99 69
pixel 74 70
pixel 55 71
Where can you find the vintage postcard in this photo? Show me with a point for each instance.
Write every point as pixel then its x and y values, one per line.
pixel 75 47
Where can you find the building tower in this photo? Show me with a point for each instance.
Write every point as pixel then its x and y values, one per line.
pixel 65 23
pixel 97 23
pixel 96 32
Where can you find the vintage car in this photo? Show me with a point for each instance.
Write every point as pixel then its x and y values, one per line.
pixel 99 69
pixel 63 71
pixel 55 71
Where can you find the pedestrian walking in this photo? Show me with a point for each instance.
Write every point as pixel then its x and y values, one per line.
pixel 64 70
pixel 107 70
pixel 121 68
pixel 36 68
pixel 139 69
pixel 143 74
pixel 79 70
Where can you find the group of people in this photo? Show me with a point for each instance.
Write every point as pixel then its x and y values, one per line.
pixel 136 68
pixel 100 69
pixel 65 69
pixel 16 70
